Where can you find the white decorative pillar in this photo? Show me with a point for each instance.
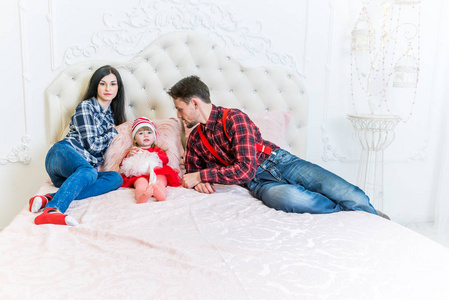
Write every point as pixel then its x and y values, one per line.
pixel 374 133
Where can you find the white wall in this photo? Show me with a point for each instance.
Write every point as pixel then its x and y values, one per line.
pixel 39 38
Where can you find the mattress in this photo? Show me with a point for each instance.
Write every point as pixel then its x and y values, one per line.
pixel 226 245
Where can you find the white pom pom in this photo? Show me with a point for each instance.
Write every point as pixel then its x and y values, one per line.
pixel 142 163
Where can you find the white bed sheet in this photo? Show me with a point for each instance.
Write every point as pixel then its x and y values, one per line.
pixel 221 246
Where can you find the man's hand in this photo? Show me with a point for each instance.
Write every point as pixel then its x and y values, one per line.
pixel 190 180
pixel 193 180
pixel 205 187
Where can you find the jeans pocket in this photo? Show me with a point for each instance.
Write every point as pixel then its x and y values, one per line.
pixel 270 172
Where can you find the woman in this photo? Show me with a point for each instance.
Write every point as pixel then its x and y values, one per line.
pixel 72 162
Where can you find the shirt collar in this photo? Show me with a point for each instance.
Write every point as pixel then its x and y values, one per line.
pixel 98 106
pixel 212 118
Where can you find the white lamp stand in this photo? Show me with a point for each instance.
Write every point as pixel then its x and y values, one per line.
pixel 374 133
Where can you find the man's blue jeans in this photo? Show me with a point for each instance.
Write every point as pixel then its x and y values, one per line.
pixel 286 182
pixel 75 177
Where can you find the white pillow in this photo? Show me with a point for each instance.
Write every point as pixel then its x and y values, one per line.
pixel 272 125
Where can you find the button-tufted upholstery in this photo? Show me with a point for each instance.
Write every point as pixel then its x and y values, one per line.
pixel 149 75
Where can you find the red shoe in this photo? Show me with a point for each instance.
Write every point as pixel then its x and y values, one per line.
pixel 38 202
pixel 53 216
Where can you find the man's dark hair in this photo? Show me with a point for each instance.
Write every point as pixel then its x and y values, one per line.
pixel 189 87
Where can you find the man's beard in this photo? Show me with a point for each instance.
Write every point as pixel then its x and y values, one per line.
pixel 190 124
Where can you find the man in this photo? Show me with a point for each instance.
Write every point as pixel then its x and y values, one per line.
pixel 231 150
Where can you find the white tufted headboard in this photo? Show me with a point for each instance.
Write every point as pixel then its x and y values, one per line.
pixel 171 57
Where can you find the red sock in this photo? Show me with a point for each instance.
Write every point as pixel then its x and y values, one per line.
pixel 54 216
pixel 38 202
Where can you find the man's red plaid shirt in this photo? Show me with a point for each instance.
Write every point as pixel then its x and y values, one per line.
pixel 239 151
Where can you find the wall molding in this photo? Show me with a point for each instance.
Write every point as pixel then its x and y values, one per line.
pixel 18 154
pixel 329 151
pixel 21 153
pixel 130 32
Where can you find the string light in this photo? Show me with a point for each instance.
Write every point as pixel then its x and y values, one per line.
pixel 378 69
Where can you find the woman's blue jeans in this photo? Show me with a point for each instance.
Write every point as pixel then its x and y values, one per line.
pixel 286 182
pixel 75 177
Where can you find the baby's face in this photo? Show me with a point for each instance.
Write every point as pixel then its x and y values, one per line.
pixel 144 138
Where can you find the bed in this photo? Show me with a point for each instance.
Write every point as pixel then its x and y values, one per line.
pixel 226 245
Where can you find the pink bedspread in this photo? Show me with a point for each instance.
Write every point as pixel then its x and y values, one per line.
pixel 222 246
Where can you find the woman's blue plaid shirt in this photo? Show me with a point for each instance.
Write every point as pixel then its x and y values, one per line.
pixel 91 130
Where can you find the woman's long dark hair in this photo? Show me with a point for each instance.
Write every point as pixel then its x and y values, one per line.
pixel 118 103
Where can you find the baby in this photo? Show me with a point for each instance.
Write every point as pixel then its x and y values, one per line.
pixel 144 166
